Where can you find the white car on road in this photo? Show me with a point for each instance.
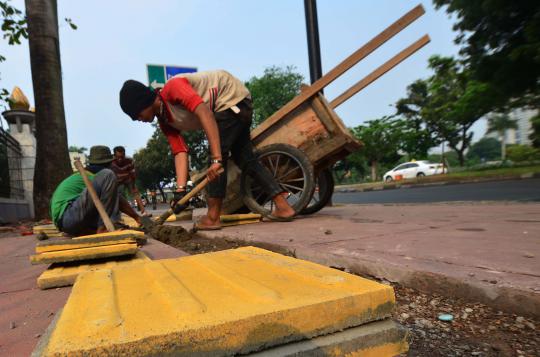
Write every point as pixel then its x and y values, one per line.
pixel 414 169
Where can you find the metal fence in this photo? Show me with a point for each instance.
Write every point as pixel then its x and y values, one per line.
pixel 11 184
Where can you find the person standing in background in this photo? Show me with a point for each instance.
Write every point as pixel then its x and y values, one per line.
pixel 124 169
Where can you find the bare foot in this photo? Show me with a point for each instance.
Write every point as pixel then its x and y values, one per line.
pixel 207 222
pixel 283 209
pixel 285 212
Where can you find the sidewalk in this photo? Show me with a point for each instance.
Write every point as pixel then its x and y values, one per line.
pixel 489 253
pixel 25 310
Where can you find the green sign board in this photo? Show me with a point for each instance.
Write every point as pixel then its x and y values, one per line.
pixel 159 74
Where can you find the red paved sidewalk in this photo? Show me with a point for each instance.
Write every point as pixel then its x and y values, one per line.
pixel 25 310
pixel 487 252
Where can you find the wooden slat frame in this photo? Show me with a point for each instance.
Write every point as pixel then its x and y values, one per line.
pixel 388 65
pixel 337 71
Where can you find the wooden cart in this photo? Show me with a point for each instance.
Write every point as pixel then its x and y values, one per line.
pixel 303 139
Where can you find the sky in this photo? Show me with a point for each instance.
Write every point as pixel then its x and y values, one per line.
pixel 116 39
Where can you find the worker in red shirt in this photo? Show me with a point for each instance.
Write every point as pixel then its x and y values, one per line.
pixel 124 169
pixel 220 104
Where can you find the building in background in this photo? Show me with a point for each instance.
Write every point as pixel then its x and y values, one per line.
pixel 520 135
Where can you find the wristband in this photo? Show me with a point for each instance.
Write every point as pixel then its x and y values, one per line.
pixel 216 161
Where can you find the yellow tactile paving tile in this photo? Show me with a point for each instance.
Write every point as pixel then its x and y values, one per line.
pixel 64 274
pixel 84 253
pixel 68 244
pixel 220 303
pixel 239 217
pixel 239 223
pixel 47 228
pixel 131 232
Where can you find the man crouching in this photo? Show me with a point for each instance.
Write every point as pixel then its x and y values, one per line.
pixel 72 208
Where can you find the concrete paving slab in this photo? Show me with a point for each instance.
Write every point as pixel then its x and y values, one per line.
pixel 221 303
pixel 65 274
pixel 26 311
pixel 79 254
pixel 485 252
pixel 375 339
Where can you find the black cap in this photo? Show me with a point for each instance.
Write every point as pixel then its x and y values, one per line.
pixel 135 97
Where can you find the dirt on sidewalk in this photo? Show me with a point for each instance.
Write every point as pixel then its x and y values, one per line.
pixel 476 329
pixel 193 243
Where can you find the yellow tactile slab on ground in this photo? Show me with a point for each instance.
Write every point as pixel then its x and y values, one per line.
pixel 46 228
pixel 84 253
pixel 221 303
pixel 49 229
pixel 131 232
pixel 64 274
pixel 67 244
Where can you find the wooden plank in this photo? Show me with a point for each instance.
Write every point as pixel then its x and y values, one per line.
pixel 370 78
pixel 341 68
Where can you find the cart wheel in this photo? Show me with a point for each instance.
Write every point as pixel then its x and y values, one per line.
pixel 291 169
pixel 324 189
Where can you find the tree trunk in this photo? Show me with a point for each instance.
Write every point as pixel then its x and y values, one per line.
pixel 503 146
pixel 374 171
pixel 52 158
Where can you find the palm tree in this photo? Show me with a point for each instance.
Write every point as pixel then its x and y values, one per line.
pixel 500 124
pixel 52 158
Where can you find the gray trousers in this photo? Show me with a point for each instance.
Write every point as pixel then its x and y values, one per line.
pixel 81 216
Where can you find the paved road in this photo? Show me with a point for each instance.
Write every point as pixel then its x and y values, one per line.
pixel 517 190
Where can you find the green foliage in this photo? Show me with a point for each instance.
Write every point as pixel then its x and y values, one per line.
pixel 78 149
pixel 535 134
pixel 520 153
pixel 451 158
pixel 198 148
pixel 417 137
pixel 500 124
pixel 13 23
pixel 486 149
pixel 154 164
pixel 444 107
pixel 273 90
pixel 501 46
pixel 13 28
pixel 381 138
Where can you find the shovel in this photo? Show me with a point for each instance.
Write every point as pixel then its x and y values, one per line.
pixel 148 224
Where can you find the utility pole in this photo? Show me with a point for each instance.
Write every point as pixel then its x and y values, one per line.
pixel 314 48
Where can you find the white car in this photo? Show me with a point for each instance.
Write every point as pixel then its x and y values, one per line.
pixel 414 169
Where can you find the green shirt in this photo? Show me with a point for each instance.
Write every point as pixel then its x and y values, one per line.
pixel 69 190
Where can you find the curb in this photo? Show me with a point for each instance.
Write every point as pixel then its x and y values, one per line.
pixel 504 298
pixel 394 186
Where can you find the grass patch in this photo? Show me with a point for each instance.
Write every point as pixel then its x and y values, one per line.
pixel 502 172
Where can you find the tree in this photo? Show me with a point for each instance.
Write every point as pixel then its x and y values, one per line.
pixel 14 29
pixel 485 149
pixel 455 103
pixel 381 142
pixel 500 124
pixel 417 136
pixel 77 149
pixel 154 164
pixel 501 43
pixel 52 158
pixel 198 148
pixel 535 134
pixel 273 90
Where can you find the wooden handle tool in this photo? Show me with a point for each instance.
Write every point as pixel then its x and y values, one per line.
pixel 101 210
pixel 185 199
